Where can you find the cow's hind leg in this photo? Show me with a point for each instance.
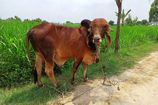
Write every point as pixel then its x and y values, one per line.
pixel 74 69
pixel 84 72
pixel 38 67
pixel 50 72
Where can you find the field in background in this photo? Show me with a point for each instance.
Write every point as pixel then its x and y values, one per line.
pixel 15 70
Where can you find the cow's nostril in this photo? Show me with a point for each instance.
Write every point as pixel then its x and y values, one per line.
pixel 97 39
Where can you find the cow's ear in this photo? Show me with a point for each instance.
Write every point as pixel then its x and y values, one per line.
pixel 106 30
pixel 86 23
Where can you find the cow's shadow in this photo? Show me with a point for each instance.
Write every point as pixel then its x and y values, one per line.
pixel 31 94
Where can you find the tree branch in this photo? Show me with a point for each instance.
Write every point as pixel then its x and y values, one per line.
pixel 128 12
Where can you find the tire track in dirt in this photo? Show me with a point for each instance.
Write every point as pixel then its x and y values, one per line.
pixel 136 86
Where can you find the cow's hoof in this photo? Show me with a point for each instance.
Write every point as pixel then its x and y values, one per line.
pixel 85 79
pixel 55 85
pixel 40 85
pixel 73 83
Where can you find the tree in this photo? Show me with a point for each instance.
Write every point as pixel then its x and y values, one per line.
pixel 119 5
pixel 17 18
pixel 111 22
pixel 135 21
pixel 37 20
pixel 124 15
pixel 128 21
pixel 153 14
pixel 69 22
pixel 144 22
pixel 26 20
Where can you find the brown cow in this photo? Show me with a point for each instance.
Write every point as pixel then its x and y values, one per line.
pixel 54 43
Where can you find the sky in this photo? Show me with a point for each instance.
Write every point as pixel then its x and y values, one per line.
pixel 71 10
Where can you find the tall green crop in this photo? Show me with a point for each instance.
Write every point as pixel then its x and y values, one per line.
pixel 14 64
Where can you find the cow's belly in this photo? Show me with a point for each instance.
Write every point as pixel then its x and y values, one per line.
pixel 59 60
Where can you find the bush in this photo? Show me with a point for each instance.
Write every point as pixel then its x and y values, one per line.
pixel 13 72
pixel 111 22
pixel 13 75
pixel 135 21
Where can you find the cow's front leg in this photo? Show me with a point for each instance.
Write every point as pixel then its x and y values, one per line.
pixel 74 69
pixel 50 72
pixel 84 71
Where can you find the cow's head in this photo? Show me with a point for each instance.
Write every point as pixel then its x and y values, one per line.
pixel 96 31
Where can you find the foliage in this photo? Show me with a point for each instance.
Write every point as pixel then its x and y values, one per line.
pixel 17 18
pixel 15 68
pixel 70 24
pixel 129 20
pixel 144 22
pixel 135 21
pixel 153 14
pixel 124 15
pixel 111 22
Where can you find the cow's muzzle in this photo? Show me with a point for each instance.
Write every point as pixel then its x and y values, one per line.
pixel 97 39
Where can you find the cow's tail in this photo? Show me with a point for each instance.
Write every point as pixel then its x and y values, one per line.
pixel 29 55
pixel 27 47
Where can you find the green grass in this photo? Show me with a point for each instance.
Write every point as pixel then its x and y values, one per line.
pixel 15 70
pixel 115 64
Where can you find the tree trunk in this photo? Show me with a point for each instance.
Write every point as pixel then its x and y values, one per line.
pixel 118 29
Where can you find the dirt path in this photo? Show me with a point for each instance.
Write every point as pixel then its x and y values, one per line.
pixel 137 86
